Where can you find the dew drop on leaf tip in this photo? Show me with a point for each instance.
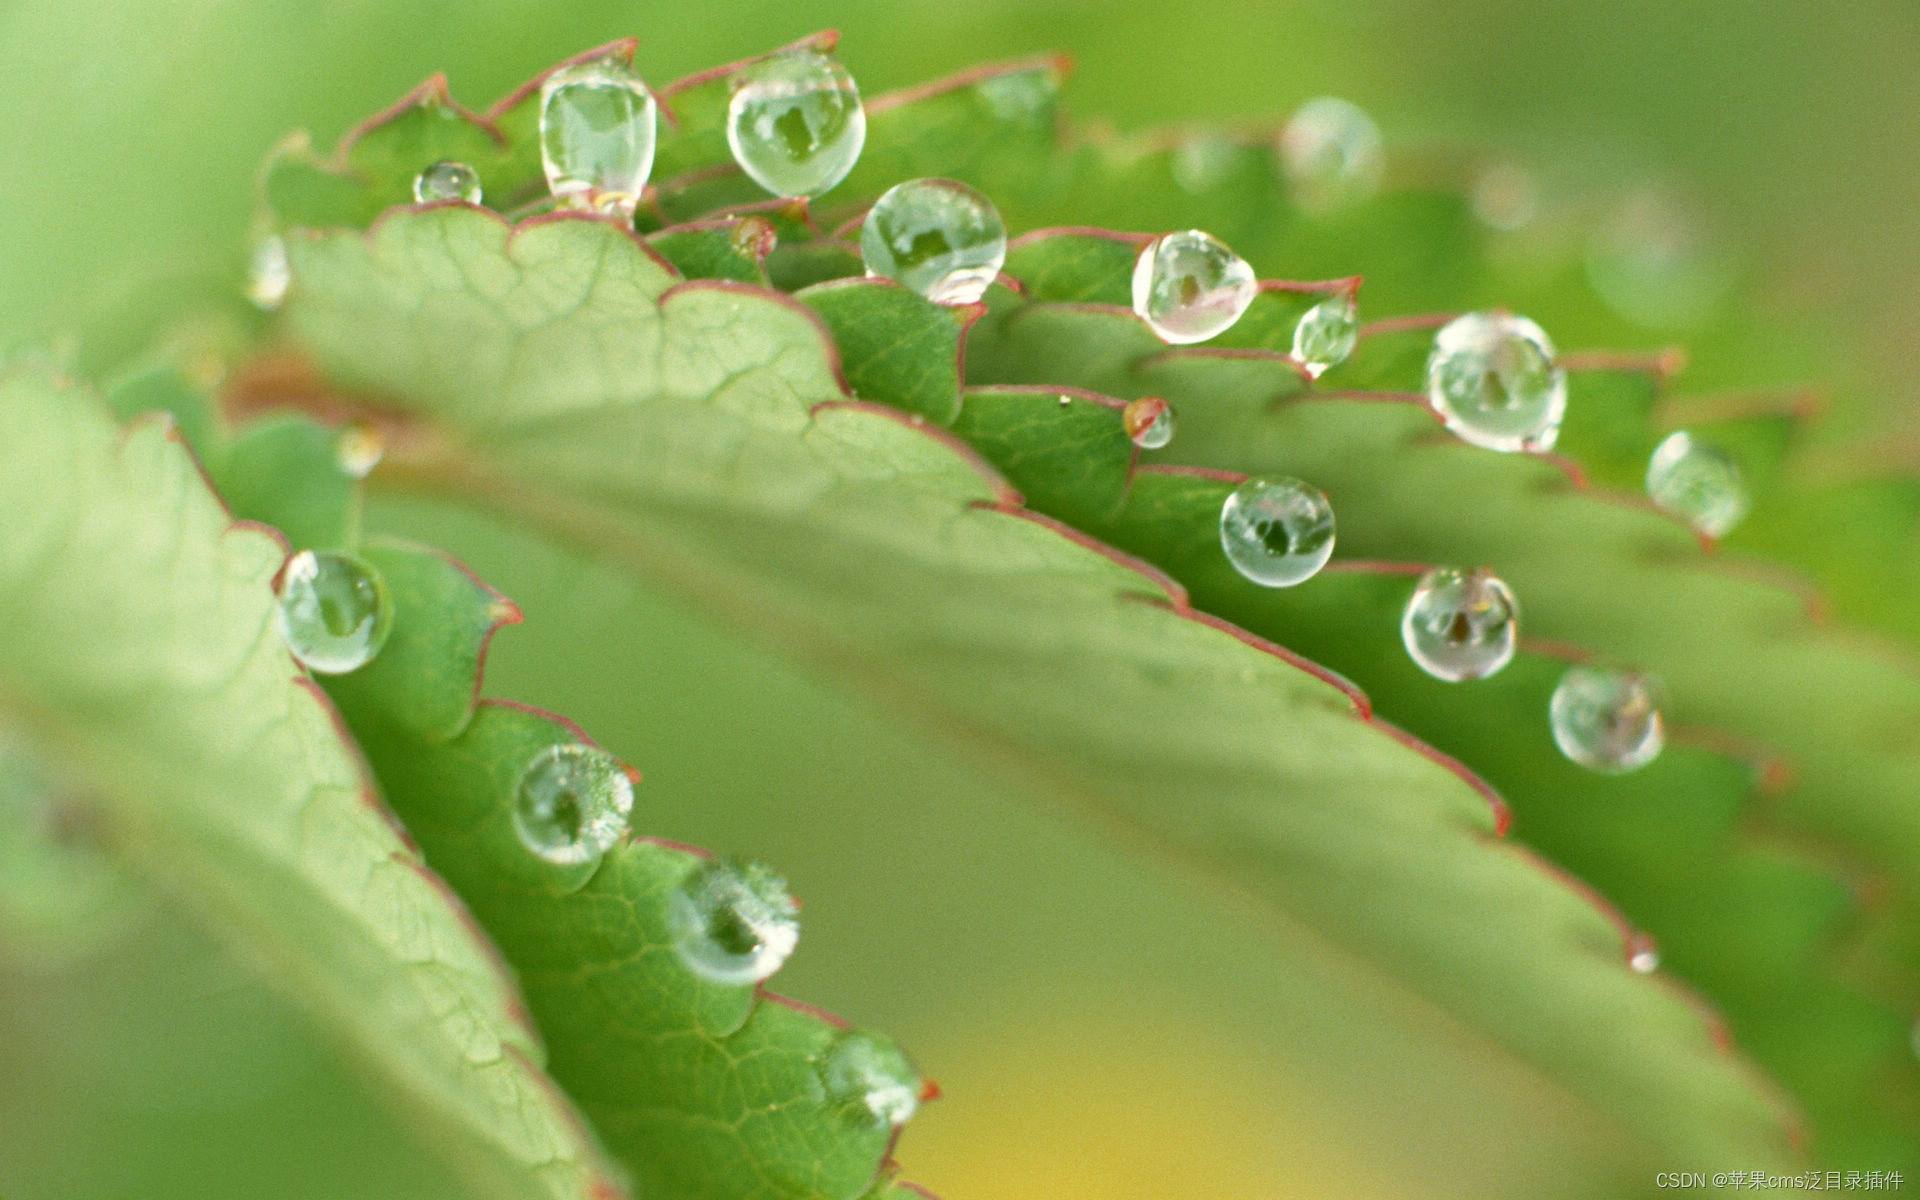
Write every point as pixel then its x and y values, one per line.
pixel 268 273
pixel 1697 483
pixel 1188 287
pixel 597 136
pixel 938 237
pixel 1493 380
pixel 1460 625
pixel 444 181
pixel 1607 720
pixel 733 921
pixel 869 1080
pixel 1332 154
pixel 332 611
pixel 1276 530
pixel 795 123
pixel 358 449
pixel 1149 422
pixel 572 804
pixel 1326 334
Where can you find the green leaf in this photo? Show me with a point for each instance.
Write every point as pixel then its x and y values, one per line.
pixel 207 759
pixel 748 483
pixel 896 347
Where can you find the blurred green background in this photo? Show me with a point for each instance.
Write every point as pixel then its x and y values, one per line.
pixel 994 939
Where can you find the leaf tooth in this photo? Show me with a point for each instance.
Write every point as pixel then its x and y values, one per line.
pixel 1058 67
pixel 620 50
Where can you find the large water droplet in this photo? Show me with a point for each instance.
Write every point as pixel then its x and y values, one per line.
pixel 333 611
pixel 1460 624
pixel 1326 334
pixel 447 181
pixel 1189 287
pixel 1697 483
pixel 733 921
pixel 1608 721
pixel 869 1080
pixel 597 136
pixel 1493 380
pixel 1149 422
pixel 1333 154
pixel 1652 261
pixel 1277 531
pixel 572 804
pixel 268 273
pixel 938 237
pixel 795 123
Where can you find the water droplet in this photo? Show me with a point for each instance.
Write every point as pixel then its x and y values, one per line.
pixel 1493 380
pixel 268 273
pixel 1643 953
pixel 1203 162
pixel 734 921
pixel 572 803
pixel 1460 624
pixel 1326 334
pixel 597 136
pixel 938 237
pixel 359 450
pixel 1333 154
pixel 870 1080
pixel 1505 197
pixel 795 124
pixel 333 611
pixel 1608 721
pixel 1277 531
pixel 1697 483
pixel 1149 422
pixel 447 181
pixel 1189 287
pixel 1019 97
pixel 1652 261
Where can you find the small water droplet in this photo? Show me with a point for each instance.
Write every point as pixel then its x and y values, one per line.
pixel 333 611
pixel 572 803
pixel 1643 953
pixel 1505 197
pixel 359 449
pixel 868 1079
pixel 734 921
pixel 1149 422
pixel 1202 162
pixel 1065 401
pixel 1189 287
pixel 1608 721
pixel 1333 154
pixel 940 238
pixel 1460 624
pixel 268 273
pixel 447 181
pixel 795 124
pixel 1493 380
pixel 1277 531
pixel 1326 334
pixel 597 136
pixel 1019 97
pixel 1697 483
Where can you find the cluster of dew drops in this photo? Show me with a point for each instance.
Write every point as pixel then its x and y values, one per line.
pixel 796 127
